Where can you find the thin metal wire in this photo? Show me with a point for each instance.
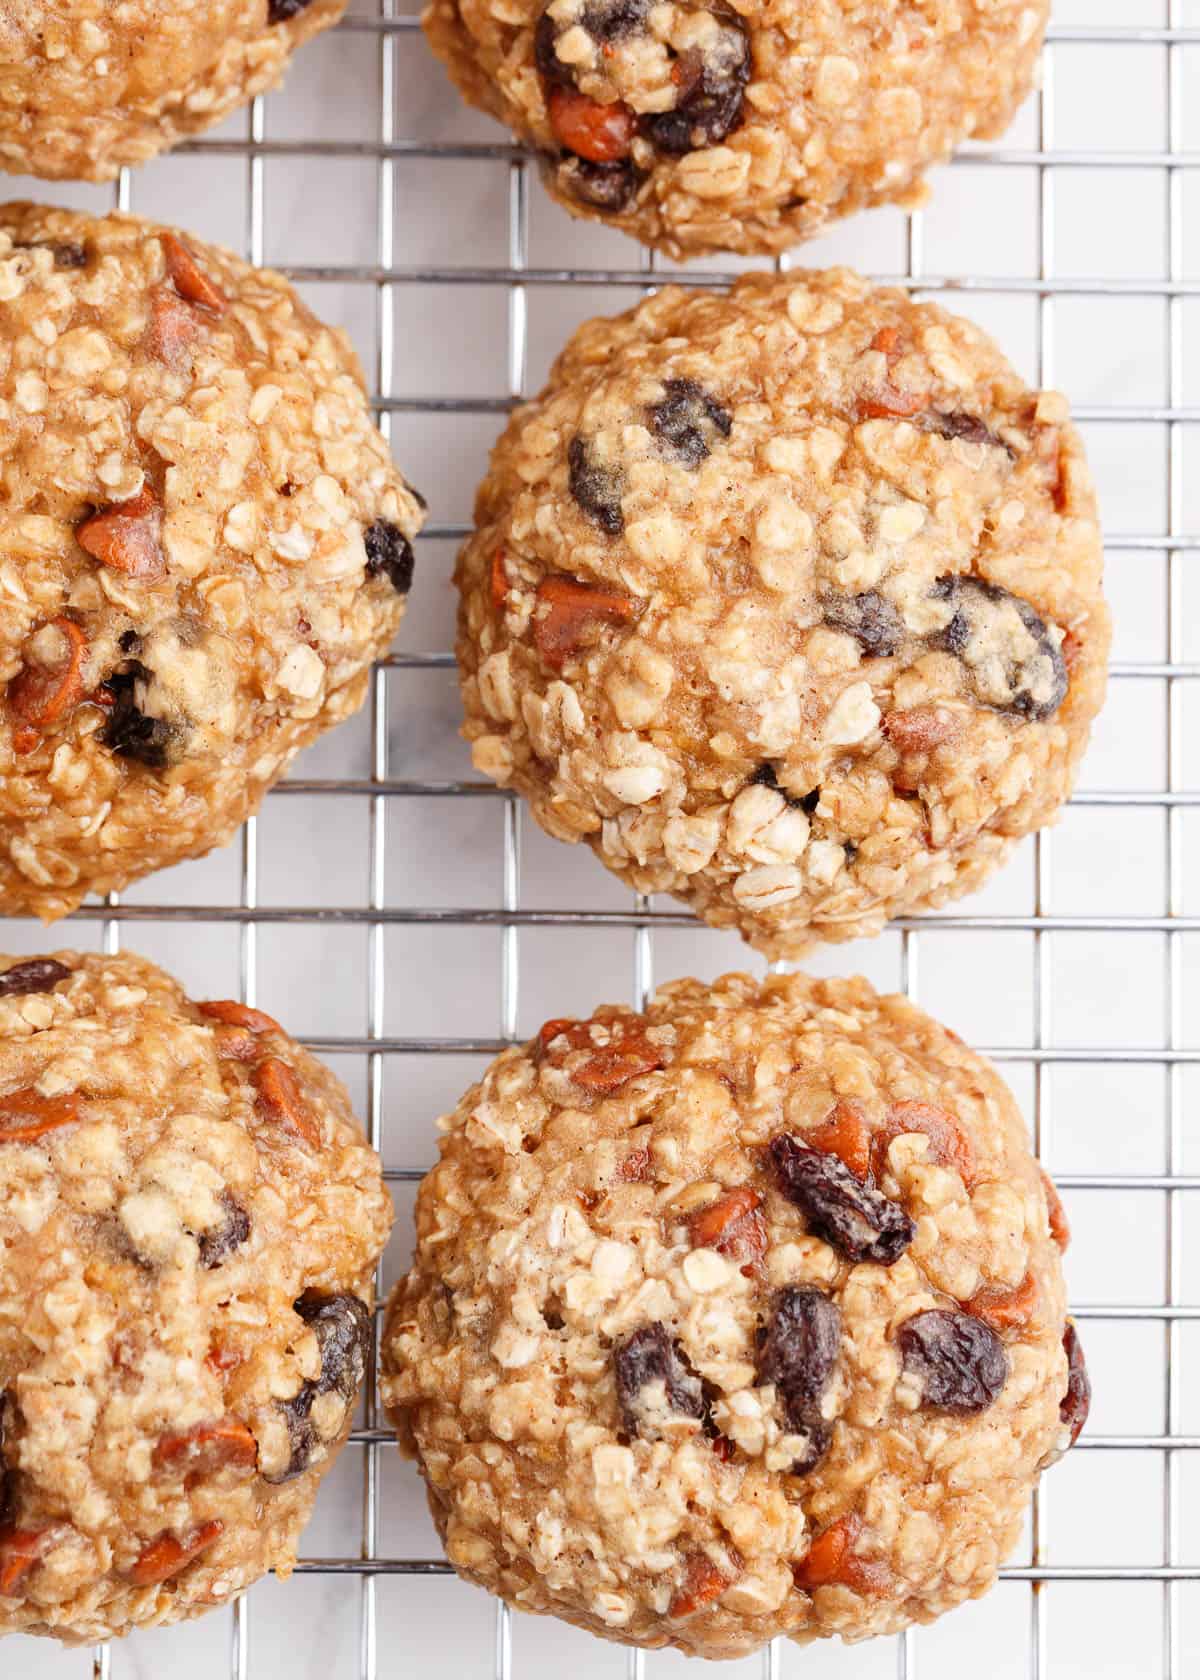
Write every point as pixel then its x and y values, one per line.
pixel 388 274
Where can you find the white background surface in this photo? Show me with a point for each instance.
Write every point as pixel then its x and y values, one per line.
pixel 1122 1505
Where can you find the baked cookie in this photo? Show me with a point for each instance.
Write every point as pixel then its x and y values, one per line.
pixel 698 126
pixel 87 87
pixel 738 1318
pixel 189 1223
pixel 788 601
pixel 204 545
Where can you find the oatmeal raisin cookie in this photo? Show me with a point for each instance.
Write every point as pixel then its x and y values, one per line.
pixel 203 545
pixel 698 125
pixel 738 1318
pixel 788 602
pixel 189 1223
pixel 88 86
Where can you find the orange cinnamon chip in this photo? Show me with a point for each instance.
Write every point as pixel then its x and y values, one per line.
pixel 617 1064
pixel 20 1549
pixel 887 339
pixel 922 728
pixel 887 402
pixel 236 1044
pixel 830 1561
pixel 42 695
pixel 280 1101
pixel 208 1447
pixel 702 1582
pixel 233 1014
pixel 126 537
pixel 189 278
pixel 498 581
pixel 576 610
pixel 1005 1309
pixel 733 1226
pixel 172 329
pixel 634 1168
pixel 1060 1225
pixel 167 1555
pixel 844 1133
pixel 600 133
pixel 577 1033
pixel 948 1144
pixel 26 1115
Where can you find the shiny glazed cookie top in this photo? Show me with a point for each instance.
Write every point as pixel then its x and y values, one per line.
pixel 189 1217
pixel 760 1292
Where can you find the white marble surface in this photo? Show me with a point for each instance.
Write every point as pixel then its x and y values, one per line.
pixel 1101 1508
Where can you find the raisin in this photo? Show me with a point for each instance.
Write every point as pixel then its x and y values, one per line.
pixel 648 1358
pixel 958 425
pixel 873 621
pixel 283 11
pixel 67 254
pixel 604 186
pixel 39 974
pixel 852 1217
pixel 8 1480
pixel 596 488
pixel 959 1362
pixel 687 419
pixel 220 1240
pixel 989 631
pixel 342 1325
pixel 712 93
pixel 604 20
pixel 766 775
pixel 1077 1401
pixel 797 1354
pixel 390 555
pixel 129 731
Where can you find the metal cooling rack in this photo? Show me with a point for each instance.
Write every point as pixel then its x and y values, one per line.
pixel 1165 1566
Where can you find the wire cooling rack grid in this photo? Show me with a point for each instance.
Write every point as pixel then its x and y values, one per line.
pixel 393 910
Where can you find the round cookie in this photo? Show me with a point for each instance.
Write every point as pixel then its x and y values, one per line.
pixel 87 87
pixel 190 1218
pixel 738 1318
pixel 205 544
pixel 788 602
pixel 699 126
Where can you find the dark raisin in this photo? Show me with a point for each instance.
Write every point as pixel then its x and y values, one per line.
pixel 687 420
pixel 343 1330
pixel 605 186
pixel 853 1217
pixel 991 632
pixel 870 618
pixel 604 20
pixel 958 425
pixel 417 497
pixel 129 732
pixel 220 1240
pixel 130 642
pixel 766 775
pixel 713 91
pixel 850 848
pixel 8 1480
pixel 39 974
pixel 69 255
pixel 596 488
pixel 650 1368
pixel 545 57
pixel 283 11
pixel 959 1362
pixel 1077 1401
pixel 798 1353
pixel 389 555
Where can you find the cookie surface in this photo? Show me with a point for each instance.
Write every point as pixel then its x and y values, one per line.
pixel 189 1222
pixel 742 1317
pixel 205 544
pixel 87 86
pixel 788 602
pixel 743 127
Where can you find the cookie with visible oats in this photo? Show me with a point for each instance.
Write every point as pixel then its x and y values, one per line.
pixel 697 125
pixel 788 602
pixel 87 86
pixel 190 1219
pixel 740 1317
pixel 203 546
